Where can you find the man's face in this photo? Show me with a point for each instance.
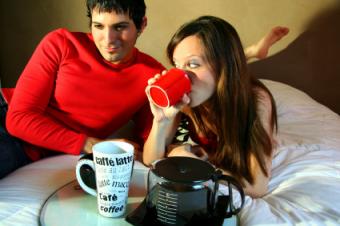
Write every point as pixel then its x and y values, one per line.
pixel 114 35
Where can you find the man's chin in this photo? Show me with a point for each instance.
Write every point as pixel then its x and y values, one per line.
pixel 113 59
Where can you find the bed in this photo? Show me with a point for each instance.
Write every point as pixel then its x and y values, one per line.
pixel 305 184
pixel 304 188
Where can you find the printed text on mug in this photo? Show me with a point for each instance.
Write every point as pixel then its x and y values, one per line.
pixel 105 161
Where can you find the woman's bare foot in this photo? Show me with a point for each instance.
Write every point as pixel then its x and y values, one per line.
pixel 261 48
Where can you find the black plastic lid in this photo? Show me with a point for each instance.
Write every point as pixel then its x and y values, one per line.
pixel 183 170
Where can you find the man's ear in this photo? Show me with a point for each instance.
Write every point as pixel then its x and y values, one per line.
pixel 143 25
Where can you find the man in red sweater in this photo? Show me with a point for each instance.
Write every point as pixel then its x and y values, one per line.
pixel 79 88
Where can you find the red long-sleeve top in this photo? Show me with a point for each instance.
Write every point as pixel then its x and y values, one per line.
pixel 68 91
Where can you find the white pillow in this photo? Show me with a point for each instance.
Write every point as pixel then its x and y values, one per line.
pixel 301 119
pixel 290 100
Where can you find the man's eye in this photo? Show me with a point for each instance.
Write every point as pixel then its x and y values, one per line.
pixel 98 26
pixel 120 27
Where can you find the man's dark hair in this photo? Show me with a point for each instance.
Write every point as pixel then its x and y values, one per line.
pixel 135 9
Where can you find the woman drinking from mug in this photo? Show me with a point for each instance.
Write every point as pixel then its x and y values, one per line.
pixel 229 114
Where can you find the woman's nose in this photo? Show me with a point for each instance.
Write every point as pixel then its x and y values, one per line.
pixel 182 67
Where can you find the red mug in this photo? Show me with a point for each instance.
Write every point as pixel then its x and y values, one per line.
pixel 170 88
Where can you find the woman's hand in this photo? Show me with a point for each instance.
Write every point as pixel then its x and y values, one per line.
pixel 187 150
pixel 183 150
pixel 164 114
pixel 199 152
pixel 164 126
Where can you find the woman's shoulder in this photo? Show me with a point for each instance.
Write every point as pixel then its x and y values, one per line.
pixel 263 99
pixel 266 109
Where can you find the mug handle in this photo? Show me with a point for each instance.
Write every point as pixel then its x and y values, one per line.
pixel 225 202
pixel 85 174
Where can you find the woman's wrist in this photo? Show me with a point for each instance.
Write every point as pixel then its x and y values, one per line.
pixel 163 122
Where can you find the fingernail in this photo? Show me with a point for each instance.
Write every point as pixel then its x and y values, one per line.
pixel 186 99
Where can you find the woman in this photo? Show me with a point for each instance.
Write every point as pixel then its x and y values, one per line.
pixel 230 115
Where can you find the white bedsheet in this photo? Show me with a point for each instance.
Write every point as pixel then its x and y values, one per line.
pixel 304 188
pixel 23 192
pixel 305 184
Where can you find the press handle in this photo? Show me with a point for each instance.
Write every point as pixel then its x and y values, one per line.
pixel 225 202
pixel 85 174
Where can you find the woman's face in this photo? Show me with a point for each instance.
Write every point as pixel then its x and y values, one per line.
pixel 189 56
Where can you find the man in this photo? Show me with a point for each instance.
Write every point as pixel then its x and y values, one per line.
pixel 79 88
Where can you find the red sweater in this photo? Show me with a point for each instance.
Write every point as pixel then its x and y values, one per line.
pixel 68 91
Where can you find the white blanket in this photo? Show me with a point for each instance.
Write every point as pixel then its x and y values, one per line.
pixel 304 188
pixel 305 184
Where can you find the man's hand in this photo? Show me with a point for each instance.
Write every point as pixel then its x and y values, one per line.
pixel 89 142
pixel 137 150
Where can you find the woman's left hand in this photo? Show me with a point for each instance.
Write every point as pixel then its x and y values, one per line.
pixel 187 150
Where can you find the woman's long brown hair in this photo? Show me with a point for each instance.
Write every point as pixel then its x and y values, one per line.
pixel 231 113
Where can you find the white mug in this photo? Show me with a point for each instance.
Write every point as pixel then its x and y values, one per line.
pixel 112 163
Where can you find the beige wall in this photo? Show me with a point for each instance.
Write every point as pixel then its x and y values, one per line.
pixel 24 26
pixel 251 18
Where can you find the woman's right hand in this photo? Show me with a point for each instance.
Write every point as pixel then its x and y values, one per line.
pixel 165 114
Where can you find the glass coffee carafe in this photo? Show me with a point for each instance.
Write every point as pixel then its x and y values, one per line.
pixel 184 191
